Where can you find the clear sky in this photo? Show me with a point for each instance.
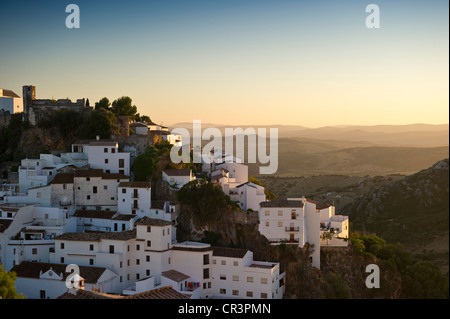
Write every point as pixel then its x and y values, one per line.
pixel 237 62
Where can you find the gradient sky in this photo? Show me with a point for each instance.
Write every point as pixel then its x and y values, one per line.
pixel 309 63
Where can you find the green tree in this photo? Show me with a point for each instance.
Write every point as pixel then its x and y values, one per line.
pixel 99 122
pixel 7 289
pixel 124 106
pixel 340 288
pixel 269 194
pixel 326 236
pixel 145 164
pixel 143 118
pixel 102 104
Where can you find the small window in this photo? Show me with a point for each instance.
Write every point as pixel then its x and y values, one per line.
pixel 235 263
pixel 88 179
pixel 91 247
pixel 264 280
pixel 223 277
pixel 149 229
pixel 235 292
pixel 137 261
pixel 249 279
pixel 147 272
pixel 106 161
pixel 88 197
pixel 249 293
pixel 34 251
pixel 263 295
pixel 147 258
pixel 105 150
pixel 111 249
pixel 222 291
pixel 61 260
pixel 91 261
pixel 113 150
pixel 235 278
pixel 105 187
pixel 61 245
pixel 138 247
pixel 149 243
pixel 94 189
pixel 223 262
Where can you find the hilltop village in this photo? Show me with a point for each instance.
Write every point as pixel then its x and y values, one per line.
pixel 85 208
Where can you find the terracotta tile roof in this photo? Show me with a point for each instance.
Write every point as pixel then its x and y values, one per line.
pixel 9 93
pixel 114 176
pixel 88 213
pixel 175 275
pixel 63 178
pixel 146 221
pixel 159 293
pixel 32 269
pixel 229 252
pixel 282 203
pixel 88 172
pixel 97 236
pixel 83 294
pixel 135 184
pixel 102 143
pixel 177 172
pixel 323 206
pixel 4 224
pixel 158 204
pixel 126 217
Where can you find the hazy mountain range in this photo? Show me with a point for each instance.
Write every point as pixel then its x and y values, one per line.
pixel 352 150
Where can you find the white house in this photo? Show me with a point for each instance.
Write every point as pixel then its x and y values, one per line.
pixel 248 195
pixel 10 101
pixel 134 198
pixel 139 128
pixel 37 280
pixel 39 172
pixel 105 155
pixel 177 178
pixel 237 275
pixel 293 221
pixel 102 220
pixel 30 233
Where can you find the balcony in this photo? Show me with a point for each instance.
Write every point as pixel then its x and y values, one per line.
pixel 292 229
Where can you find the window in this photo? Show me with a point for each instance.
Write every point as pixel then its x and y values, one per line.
pixel 88 197
pixel 105 150
pixel 280 213
pixel 280 224
pixel 91 247
pixel 263 295
pixel 138 247
pixel 137 261
pixel 206 273
pixel 235 278
pixel 267 224
pixel 61 245
pixel 88 179
pixel 42 294
pixel 249 293
pixel 168 261
pixel 94 189
pixel 164 231
pixel 121 163
pixel 106 161
pixel 267 213
pixel 61 260
pixel 121 264
pixel 115 226
pixel 264 280
pixel 124 190
pixel 223 291
pixel 223 262
pixel 149 243
pixel 149 229
pixel 235 292
pixel 91 261
pixel 249 279
pixel 120 279
pixel 111 249
pixel 34 251
pixel 123 227
pixel 147 258
pixel 113 150
pixel 235 263
pixel 223 277
pixel 147 272
pixel 64 186
pixel 206 259
pixel 105 187
pixel 38 194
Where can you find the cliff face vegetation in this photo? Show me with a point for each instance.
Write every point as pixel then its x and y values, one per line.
pixel 207 215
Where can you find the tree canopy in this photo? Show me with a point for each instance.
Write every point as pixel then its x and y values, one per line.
pixel 7 288
pixel 145 164
pixel 103 104
pixel 124 106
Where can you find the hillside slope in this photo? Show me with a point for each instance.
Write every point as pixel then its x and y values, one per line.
pixel 413 211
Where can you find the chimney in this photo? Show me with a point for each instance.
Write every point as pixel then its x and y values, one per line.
pixel 131 224
pixel 97 137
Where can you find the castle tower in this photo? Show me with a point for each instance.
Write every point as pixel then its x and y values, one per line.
pixel 28 95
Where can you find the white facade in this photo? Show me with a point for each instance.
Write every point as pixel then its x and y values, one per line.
pixel 38 172
pixel 106 156
pixel 177 178
pixel 10 101
pixel 248 195
pixel 134 198
pixel 237 275
pixel 48 281
pixel 292 221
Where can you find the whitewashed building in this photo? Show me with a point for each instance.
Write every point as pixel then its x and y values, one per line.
pixel 134 198
pixel 10 101
pixel 177 178
pixel 237 275
pixel 38 280
pixel 105 155
pixel 248 195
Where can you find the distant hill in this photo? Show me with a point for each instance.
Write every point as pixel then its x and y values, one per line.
pixel 413 211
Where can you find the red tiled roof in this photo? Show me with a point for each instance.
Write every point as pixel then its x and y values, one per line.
pixel 177 172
